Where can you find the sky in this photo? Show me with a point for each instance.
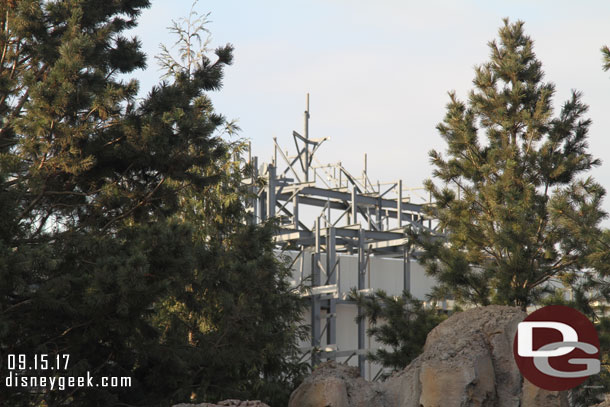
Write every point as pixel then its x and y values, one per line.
pixel 378 72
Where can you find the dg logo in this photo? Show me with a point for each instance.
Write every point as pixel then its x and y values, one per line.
pixel 556 348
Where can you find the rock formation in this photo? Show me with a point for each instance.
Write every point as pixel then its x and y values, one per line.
pixel 337 385
pixel 467 361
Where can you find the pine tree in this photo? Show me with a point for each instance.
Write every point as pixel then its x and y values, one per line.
pixel 239 311
pixel 401 324
pixel 592 297
pixel 517 215
pixel 93 237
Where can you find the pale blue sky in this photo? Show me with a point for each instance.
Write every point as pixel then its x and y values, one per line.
pixel 378 72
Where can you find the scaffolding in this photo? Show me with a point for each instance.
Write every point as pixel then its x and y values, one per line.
pixel 324 210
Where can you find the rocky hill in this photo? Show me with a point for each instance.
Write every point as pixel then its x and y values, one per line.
pixel 467 361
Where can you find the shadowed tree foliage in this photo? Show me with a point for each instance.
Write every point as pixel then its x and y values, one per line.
pixel 400 323
pixel 104 254
pixel 238 309
pixel 515 207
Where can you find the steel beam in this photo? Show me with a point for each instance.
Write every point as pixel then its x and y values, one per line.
pixel 316 329
pixel 361 286
pixel 271 183
pixel 406 268
pixel 331 269
pixel 361 199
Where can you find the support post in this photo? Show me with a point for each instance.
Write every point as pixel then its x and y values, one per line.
pixel 271 191
pixel 331 259
pixel 406 269
pixel 316 330
pixel 361 282
pixel 399 204
pixel 254 203
pixel 354 206
pixel 306 134
pixel 378 212
pixel 295 211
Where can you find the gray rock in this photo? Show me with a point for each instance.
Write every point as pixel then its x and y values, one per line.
pixel 483 335
pixel 404 388
pixel 467 362
pixel 336 385
pixel 534 396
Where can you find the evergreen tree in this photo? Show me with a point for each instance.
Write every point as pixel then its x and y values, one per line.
pixel 592 297
pixel 95 246
pixel 516 212
pixel 239 311
pixel 401 324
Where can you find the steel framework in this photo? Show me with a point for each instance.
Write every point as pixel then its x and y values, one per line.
pixel 348 214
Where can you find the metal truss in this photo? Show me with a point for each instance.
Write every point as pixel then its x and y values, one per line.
pixel 324 210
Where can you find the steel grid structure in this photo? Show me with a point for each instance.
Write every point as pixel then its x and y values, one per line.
pixel 349 214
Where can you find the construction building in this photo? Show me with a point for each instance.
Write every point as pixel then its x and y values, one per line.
pixel 341 232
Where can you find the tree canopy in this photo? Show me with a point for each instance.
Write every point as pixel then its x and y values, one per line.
pixel 122 242
pixel 517 213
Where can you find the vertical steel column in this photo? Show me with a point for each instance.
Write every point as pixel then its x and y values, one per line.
pixel 361 282
pixel 378 213
pixel 306 134
pixel 255 200
pixel 354 206
pixel 271 191
pixel 295 211
pixel 399 204
pixel 263 205
pixel 331 269
pixel 406 269
pixel 315 299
